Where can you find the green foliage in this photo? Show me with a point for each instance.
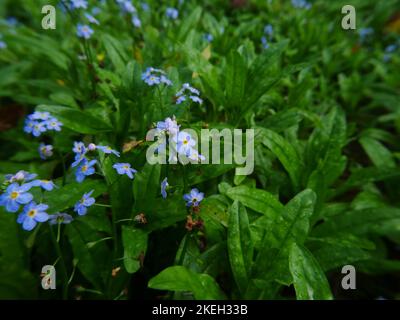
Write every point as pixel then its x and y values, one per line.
pixel 324 192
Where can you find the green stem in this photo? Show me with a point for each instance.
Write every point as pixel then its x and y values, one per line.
pixel 102 205
pixel 63 267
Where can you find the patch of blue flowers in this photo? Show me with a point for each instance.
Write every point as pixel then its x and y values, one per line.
pixel 38 123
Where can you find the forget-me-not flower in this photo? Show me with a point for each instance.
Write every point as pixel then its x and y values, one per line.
pixel 32 214
pixel 164 185
pixel 86 168
pixel 45 151
pixel 47 185
pixel 125 168
pixel 60 218
pixel 82 205
pixel 84 31
pixel 193 198
pixel 15 196
pixel 172 13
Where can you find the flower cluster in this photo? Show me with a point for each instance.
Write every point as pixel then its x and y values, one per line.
pixel 268 31
pixel 85 166
pixel 301 4
pixel 188 92
pixel 389 50
pixel 84 31
pixel 172 13
pixel 180 142
pixel 153 76
pixel 127 7
pixel 40 122
pixel 17 195
pixel 3 45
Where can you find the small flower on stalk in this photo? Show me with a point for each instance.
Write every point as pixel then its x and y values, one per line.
pixel 85 169
pixel 60 218
pixel 21 176
pixel 125 168
pixel 188 91
pixel 32 214
pixel 84 31
pixel 172 13
pixel 108 150
pixel 47 185
pixel 193 198
pixel 164 186
pixel 82 205
pixel 45 151
pixel 15 196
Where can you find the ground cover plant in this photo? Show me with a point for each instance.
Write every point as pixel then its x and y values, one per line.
pixel 77 189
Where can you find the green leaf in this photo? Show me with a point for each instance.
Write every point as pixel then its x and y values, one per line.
pixel 65 197
pixel 189 23
pixel 309 280
pixel 256 199
pixel 292 225
pixel 286 154
pixel 377 152
pixel 146 187
pixel 135 244
pixel 76 120
pixel 235 81
pixel 179 278
pixel 240 247
pixel 115 51
pixel 93 261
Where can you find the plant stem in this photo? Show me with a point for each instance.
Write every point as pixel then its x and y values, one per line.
pixel 63 267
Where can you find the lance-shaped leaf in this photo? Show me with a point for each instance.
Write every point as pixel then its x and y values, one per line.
pixel 309 280
pixel 240 247
pixel 135 244
pixel 289 227
pixel 179 278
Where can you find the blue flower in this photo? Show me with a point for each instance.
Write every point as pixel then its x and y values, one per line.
pixel 164 185
pixel 390 48
pixel 96 10
pixel 84 31
pixel 15 196
pixel 153 76
pixel 39 115
pixel 85 169
pixel 47 185
pixel 38 128
pixel 365 33
pixel 79 148
pixel 12 21
pixel 185 143
pixel 80 151
pixel 264 42
pixel 182 94
pixel 172 13
pixel 60 218
pixel 136 21
pixel 268 30
pixel 3 45
pixel 53 124
pixel 91 19
pixel 301 4
pixel 194 155
pixel 196 99
pixel 193 198
pixel 145 6
pixel 21 176
pixel 82 205
pixel 208 37
pixel 45 151
pixel 168 126
pixel 127 6
pixel 32 214
pixel 125 168
pixel 108 150
pixel 79 4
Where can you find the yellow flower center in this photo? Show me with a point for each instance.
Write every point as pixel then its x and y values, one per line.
pixel 31 213
pixel 185 141
pixel 14 195
pixel 126 167
pixel 84 168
